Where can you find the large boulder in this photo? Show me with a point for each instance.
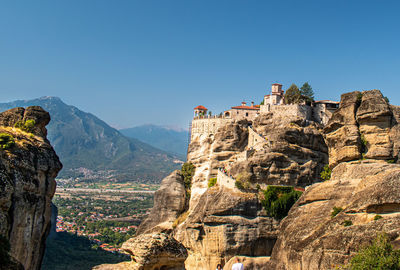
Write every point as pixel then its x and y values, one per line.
pixel 169 203
pixel 156 251
pixel 28 171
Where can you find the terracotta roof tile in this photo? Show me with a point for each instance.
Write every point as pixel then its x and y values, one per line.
pixel 200 107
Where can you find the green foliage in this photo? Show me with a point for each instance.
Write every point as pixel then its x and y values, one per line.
pixel 386 99
pixel 307 94
pixel 379 255
pixel 212 182
pixel 6 141
pixel 182 217
pixel 187 173
pixel 262 102
pixel 335 211
pixel 4 249
pixel 292 95
pixel 377 217
pixel 68 251
pixel 26 126
pixel 347 223
pixel 359 98
pixel 363 144
pixel 239 185
pixel 390 161
pixel 278 200
pixel 326 173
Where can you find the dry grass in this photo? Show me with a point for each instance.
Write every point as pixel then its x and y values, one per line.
pixel 180 219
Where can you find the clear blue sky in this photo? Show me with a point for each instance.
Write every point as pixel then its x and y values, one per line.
pixel 135 62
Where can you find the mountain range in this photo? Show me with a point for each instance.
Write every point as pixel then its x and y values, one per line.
pixel 90 148
pixel 164 138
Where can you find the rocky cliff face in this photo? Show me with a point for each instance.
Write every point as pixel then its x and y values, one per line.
pixel 294 152
pixel 365 126
pixel 28 169
pixel 169 203
pixel 225 223
pixel 362 137
pixel 220 223
pixel 208 153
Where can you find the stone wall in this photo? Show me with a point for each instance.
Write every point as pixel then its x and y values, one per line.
pixel 292 110
pixel 321 114
pixel 254 139
pixel 239 114
pixel 207 126
pixel 225 181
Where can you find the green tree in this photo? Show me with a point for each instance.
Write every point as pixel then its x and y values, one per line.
pixel 379 255
pixel 306 92
pixel 278 200
pixel 326 173
pixel 292 95
pixel 187 173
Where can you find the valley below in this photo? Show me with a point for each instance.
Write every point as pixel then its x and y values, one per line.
pixel 95 219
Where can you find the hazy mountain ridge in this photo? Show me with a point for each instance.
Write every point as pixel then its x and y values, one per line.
pixel 167 139
pixel 83 140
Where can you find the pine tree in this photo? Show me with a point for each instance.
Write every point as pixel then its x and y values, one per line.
pixel 307 94
pixel 292 95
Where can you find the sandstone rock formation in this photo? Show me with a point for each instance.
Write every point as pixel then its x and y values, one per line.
pixel 169 203
pixel 224 224
pixel 363 127
pixel 294 152
pixel 28 170
pixel 208 153
pixel 156 251
pixel 219 222
pixel 362 137
pixel 311 239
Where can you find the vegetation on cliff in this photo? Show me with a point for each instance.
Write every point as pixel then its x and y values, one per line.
pixel 26 125
pixel 379 255
pixel 278 200
pixel 6 141
pixel 187 171
pixel 326 173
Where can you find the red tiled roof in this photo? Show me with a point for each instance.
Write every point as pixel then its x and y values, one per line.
pixel 200 107
pixel 276 84
pixel 246 107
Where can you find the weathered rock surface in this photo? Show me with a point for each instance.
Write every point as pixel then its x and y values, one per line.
pixel 169 203
pixel 224 224
pixel 156 251
pixel 311 239
pixel 27 185
pixel 363 127
pixel 208 153
pixel 294 152
pixel 341 133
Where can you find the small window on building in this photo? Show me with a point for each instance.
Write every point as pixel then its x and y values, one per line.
pixel 247 114
pixel 237 112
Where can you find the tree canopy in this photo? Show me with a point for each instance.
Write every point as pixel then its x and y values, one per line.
pixel 307 93
pixel 292 95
